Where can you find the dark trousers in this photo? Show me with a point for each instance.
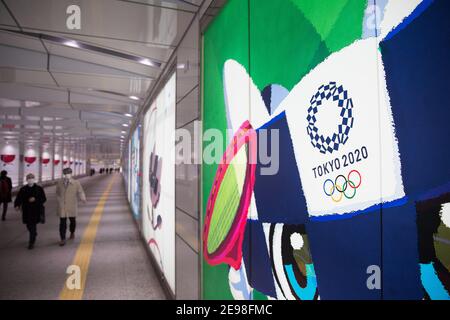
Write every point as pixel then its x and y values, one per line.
pixel 63 227
pixel 33 232
pixel 5 208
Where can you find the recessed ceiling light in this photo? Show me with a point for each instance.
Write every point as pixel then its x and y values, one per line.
pixel 133 98
pixel 71 43
pixel 147 62
pixel 29 104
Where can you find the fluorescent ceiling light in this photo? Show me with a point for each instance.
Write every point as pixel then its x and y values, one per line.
pixel 29 104
pixel 124 124
pixel 133 98
pixel 123 132
pixel 147 62
pixel 128 115
pixel 87 46
pixel 71 43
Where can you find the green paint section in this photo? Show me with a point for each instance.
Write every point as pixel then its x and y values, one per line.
pixel 258 295
pixel 322 14
pixel 338 22
pixel 282 50
pixel 225 207
pixel 226 38
pixel 348 27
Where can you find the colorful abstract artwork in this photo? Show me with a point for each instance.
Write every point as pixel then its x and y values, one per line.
pixel 343 97
pixel 134 173
pixel 158 176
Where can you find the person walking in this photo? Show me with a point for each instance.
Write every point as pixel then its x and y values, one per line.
pixel 30 200
pixel 68 192
pixel 5 192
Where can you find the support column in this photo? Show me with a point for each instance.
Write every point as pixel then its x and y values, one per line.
pixel 39 158
pixel 52 156
pixel 21 161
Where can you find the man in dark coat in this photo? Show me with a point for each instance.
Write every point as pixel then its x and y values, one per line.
pixel 5 192
pixel 31 199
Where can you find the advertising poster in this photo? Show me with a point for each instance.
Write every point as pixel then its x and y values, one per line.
pixel 9 159
pixel 135 190
pixel 357 183
pixel 31 161
pixel 158 214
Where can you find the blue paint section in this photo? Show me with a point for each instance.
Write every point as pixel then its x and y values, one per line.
pixel 401 276
pixel 417 67
pixel 273 120
pixel 279 198
pixel 433 286
pixel 309 291
pixel 417 12
pixel 278 95
pixel 415 57
pixel 256 259
pixel 342 250
pixel 374 208
pixel 435 193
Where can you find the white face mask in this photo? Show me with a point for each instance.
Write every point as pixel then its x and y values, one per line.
pixel 68 176
pixel 30 182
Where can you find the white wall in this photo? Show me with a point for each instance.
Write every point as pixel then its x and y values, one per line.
pixel 47 164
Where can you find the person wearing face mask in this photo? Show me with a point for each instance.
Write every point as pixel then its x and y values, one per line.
pixel 30 200
pixel 5 192
pixel 68 192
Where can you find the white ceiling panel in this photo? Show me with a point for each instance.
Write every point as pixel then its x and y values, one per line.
pixel 92 97
pixel 124 20
pixel 21 41
pixel 68 65
pixel 105 108
pixel 156 51
pixel 26 76
pixel 185 5
pixel 5 17
pixel 23 92
pixel 102 59
pixel 22 58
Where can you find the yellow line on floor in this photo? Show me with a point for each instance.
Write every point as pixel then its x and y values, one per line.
pixel 84 252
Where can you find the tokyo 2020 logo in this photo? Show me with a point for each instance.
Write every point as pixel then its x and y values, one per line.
pixel 335 93
pixel 343 186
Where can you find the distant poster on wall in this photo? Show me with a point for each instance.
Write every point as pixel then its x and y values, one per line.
pixel 47 164
pixel 58 163
pixel 9 161
pixel 127 170
pixel 158 214
pixel 31 161
pixel 135 190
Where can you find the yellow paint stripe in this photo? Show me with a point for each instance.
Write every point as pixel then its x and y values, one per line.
pixel 84 252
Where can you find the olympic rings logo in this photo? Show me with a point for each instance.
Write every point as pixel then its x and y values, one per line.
pixel 342 186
